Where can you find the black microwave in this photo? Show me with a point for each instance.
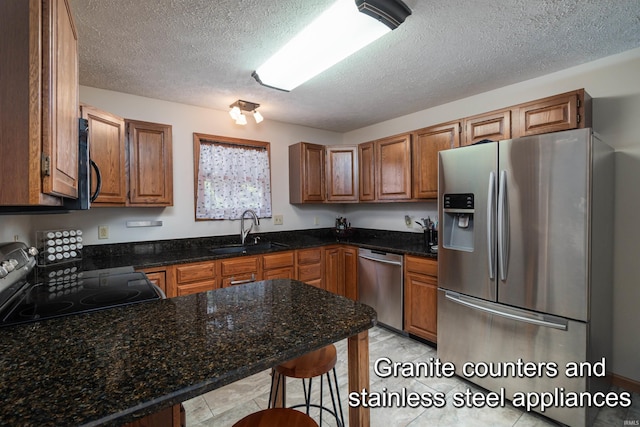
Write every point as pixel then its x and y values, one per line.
pixel 85 196
pixel 85 164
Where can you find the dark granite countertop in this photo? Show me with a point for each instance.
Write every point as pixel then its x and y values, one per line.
pixel 113 366
pixel 178 251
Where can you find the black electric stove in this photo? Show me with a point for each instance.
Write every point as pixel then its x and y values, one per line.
pixel 29 293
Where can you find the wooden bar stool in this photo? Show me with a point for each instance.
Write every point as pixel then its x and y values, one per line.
pixel 277 417
pixel 317 363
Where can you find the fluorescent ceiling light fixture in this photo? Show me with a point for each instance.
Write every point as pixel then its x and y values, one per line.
pixel 239 106
pixel 333 36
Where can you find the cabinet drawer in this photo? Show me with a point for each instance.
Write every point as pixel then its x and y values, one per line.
pixel 308 273
pixel 238 279
pixel 234 266
pixel 309 256
pixel 278 260
pixel 421 265
pixel 194 288
pixel 195 272
pixel 279 273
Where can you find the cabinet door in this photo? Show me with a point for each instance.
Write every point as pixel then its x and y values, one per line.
pixel 421 309
pixel 150 164
pixel 107 144
pixel 333 276
pixel 350 267
pixel 495 126
pixel 60 99
pixel 556 113
pixel 342 174
pixel 306 173
pixel 421 297
pixel 427 143
pixel 393 168
pixel 366 172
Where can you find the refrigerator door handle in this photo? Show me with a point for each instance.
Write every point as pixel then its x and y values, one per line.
pixel 503 227
pixel 490 225
pixel 521 317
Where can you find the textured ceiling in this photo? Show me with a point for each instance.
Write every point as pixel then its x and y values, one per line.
pixel 202 52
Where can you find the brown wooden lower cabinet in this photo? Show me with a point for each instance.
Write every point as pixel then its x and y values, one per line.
pixel 192 278
pixel 421 297
pixel 240 270
pixel 279 265
pixel 173 416
pixel 310 266
pixel 341 264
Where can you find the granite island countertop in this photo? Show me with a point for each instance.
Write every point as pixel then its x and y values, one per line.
pixel 116 365
pixel 179 251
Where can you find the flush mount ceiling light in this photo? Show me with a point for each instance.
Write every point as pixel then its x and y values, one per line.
pixel 333 36
pixel 239 106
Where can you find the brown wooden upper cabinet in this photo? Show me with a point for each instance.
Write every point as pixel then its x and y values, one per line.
pixel 134 158
pixel 426 144
pixel 495 126
pixel 571 110
pixel 320 173
pixel 367 171
pixel 39 103
pixel 393 168
pixel 150 164
pixel 385 169
pixel 107 144
pixel 306 173
pixel 342 173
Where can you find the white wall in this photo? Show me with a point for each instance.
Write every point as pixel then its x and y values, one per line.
pixel 614 84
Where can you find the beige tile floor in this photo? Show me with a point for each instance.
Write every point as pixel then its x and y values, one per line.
pixel 223 407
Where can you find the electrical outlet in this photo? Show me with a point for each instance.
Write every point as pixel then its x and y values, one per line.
pixel 103 232
pixel 316 221
pixel 16 238
pixel 278 220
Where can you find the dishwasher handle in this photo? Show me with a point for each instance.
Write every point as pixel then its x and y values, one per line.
pixel 384 261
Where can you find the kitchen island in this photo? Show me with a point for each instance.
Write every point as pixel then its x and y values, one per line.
pixel 117 365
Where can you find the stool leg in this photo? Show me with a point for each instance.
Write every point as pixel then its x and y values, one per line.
pixel 335 382
pixel 276 393
pixel 307 393
pixel 321 404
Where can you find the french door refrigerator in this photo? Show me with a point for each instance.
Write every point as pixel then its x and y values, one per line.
pixel 525 262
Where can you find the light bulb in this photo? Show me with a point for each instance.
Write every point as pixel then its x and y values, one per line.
pixel 257 116
pixel 241 120
pixel 235 113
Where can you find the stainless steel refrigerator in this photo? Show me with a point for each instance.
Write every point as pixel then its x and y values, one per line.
pixel 525 260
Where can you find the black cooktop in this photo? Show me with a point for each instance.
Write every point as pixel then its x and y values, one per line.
pixel 66 291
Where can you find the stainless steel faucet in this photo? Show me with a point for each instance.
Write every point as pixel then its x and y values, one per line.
pixel 243 232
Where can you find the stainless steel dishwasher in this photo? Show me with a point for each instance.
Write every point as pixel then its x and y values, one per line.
pixel 380 285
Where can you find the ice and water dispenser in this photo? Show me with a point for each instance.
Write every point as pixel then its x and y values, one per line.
pixel 458 222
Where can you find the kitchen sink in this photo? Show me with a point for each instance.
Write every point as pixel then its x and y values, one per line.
pixel 247 248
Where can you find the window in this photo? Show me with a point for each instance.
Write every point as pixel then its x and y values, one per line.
pixel 233 175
